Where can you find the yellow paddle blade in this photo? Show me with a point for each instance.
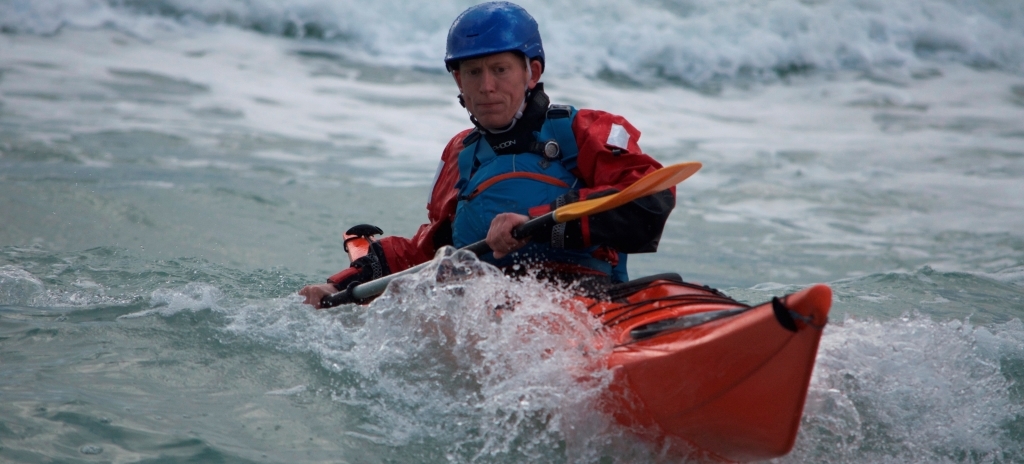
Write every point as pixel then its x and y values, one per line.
pixel 652 183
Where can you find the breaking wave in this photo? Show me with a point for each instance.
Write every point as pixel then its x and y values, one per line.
pixel 690 42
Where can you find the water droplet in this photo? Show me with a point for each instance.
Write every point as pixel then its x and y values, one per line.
pixel 90 449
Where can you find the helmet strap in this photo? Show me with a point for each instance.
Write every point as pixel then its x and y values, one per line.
pixel 515 119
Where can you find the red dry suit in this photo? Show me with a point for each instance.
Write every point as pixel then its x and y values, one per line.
pixel 602 168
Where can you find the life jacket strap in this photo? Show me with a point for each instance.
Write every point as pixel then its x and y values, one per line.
pixel 560 118
pixel 514 175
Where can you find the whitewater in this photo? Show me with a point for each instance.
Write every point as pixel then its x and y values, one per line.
pixel 172 171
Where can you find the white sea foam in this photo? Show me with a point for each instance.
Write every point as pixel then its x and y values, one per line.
pixel 918 390
pixel 192 297
pixel 288 391
pixel 18 286
pixel 695 42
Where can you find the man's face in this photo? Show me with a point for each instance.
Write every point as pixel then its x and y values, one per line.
pixel 494 86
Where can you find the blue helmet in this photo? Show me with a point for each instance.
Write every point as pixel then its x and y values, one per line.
pixel 490 28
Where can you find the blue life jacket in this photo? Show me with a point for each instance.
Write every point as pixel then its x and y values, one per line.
pixel 490 184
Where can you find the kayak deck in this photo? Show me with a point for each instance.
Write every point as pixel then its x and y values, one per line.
pixel 690 364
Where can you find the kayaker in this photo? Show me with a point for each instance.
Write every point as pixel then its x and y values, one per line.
pixel 523 158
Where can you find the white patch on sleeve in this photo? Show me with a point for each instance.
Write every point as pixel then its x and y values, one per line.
pixel 618 137
pixel 433 184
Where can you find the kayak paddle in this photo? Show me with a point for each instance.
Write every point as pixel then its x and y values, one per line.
pixel 650 184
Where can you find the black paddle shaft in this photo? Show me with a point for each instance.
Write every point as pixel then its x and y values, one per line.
pixel 359 291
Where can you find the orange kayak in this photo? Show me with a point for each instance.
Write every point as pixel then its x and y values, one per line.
pixel 697 371
pixel 702 373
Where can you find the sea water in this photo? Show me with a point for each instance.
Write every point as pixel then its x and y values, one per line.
pixel 171 172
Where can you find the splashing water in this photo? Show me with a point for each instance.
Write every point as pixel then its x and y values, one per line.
pixel 460 358
pixel 914 391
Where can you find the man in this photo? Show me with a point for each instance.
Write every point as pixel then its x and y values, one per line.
pixel 523 158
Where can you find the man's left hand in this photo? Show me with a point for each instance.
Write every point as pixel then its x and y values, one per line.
pixel 499 236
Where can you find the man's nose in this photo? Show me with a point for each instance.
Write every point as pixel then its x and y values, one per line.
pixel 487 81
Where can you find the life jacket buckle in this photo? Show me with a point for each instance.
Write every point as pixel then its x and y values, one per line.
pixel 559 111
pixel 551 150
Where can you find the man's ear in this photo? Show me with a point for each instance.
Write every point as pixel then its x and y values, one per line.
pixel 458 81
pixel 535 70
pixel 458 78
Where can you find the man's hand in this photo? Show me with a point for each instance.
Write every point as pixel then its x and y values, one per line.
pixel 373 265
pixel 315 293
pixel 499 236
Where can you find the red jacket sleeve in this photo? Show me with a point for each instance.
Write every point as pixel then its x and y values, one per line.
pixel 610 160
pixel 603 166
pixel 403 253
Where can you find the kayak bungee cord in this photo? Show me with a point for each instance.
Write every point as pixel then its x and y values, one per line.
pixel 627 312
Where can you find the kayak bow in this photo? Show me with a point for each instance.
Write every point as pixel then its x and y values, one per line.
pixel 695 368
